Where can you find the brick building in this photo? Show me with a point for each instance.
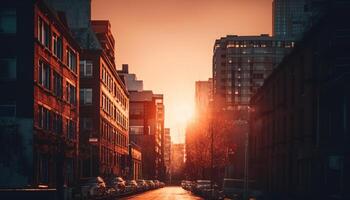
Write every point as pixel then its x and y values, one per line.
pixel 105 102
pixel 104 107
pixel 39 108
pixel 300 127
pixel 147 131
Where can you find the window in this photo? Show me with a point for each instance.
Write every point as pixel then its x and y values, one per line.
pixel 71 60
pixel 44 75
pixel 71 93
pixel 44 34
pixel 8 68
pixel 57 46
pixel 258 76
pixel 56 123
pixel 57 84
pixel 86 124
pixel 8 22
pixel 71 130
pixel 86 96
pixel 44 118
pixel 43 169
pixel 86 68
pixel 137 130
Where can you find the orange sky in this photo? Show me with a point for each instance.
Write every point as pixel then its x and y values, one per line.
pixel 168 43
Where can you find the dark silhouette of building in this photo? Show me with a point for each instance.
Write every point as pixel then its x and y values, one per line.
pixel 39 107
pixel 292 18
pixel 299 138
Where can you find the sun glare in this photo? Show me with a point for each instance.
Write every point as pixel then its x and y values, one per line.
pixel 182 113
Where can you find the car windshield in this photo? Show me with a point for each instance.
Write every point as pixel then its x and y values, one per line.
pixel 203 182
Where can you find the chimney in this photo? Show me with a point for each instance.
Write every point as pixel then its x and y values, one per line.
pixel 125 68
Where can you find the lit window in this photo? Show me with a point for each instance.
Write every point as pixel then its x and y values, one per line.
pixel 8 22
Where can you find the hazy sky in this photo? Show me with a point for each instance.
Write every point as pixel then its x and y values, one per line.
pixel 168 43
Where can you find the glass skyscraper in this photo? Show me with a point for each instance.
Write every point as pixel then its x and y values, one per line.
pixel 290 18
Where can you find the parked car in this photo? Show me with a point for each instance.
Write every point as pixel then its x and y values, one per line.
pixel 157 183
pixel 162 184
pixel 151 184
pixel 142 185
pixel 183 182
pixel 131 186
pixel 92 187
pixel 212 193
pixel 117 183
pixel 200 185
pixel 187 185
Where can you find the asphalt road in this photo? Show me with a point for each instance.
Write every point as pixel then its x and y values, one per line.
pixel 166 193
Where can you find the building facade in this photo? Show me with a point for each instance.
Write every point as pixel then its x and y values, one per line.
pixel 105 103
pixel 130 80
pixel 167 153
pixel 178 162
pixel 299 132
pixel 135 162
pixel 105 109
pixel 147 131
pixel 292 18
pixel 203 98
pixel 40 106
pixel 240 66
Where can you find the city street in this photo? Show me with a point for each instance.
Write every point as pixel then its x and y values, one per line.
pixel 166 193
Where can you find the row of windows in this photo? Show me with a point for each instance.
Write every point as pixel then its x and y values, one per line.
pixel 111 158
pixel 54 43
pixel 259 44
pixel 113 88
pixel 53 121
pixel 55 84
pixel 112 110
pixel 113 135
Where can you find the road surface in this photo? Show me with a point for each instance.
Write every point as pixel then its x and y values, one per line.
pixel 166 193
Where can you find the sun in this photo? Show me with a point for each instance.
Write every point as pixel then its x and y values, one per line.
pixel 183 113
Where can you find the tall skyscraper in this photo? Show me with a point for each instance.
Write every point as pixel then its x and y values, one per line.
pixel 292 18
pixel 203 97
